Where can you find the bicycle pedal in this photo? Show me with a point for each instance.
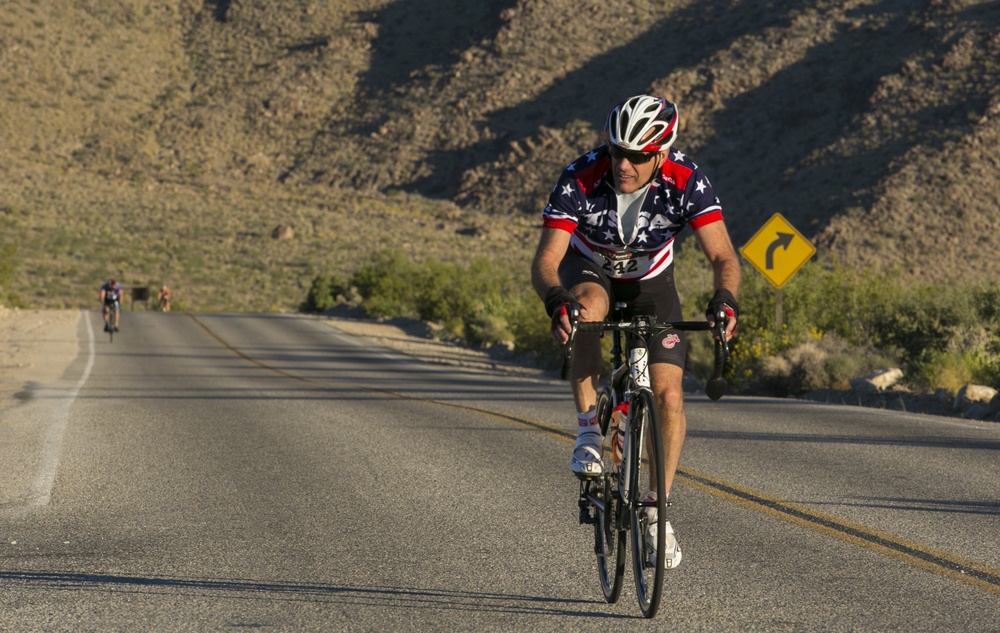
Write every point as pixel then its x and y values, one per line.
pixel 586 517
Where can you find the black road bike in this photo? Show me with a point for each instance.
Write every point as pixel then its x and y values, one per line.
pixel 615 503
pixel 110 309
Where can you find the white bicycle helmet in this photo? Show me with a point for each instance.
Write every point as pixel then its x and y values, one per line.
pixel 643 124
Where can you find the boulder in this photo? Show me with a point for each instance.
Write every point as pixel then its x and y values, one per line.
pixel 993 406
pixel 974 394
pixel 877 382
pixel 978 411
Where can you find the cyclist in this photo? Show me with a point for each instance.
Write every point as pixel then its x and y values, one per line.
pixel 608 235
pixel 163 297
pixel 111 294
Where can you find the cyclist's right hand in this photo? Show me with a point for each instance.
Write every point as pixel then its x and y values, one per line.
pixel 562 322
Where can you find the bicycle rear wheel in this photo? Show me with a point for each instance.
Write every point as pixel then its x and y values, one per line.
pixel 609 537
pixel 646 447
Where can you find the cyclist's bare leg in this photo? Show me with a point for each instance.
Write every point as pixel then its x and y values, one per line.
pixel 666 383
pixel 118 311
pixel 587 358
pixel 105 314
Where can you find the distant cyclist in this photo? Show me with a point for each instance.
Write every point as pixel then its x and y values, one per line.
pixel 111 295
pixel 163 297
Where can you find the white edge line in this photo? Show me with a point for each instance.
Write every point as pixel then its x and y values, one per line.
pixel 49 460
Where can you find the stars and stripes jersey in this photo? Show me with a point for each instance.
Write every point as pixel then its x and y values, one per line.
pixel 584 203
pixel 112 293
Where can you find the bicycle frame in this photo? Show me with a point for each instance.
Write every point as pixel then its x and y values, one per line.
pixel 110 310
pixel 615 502
pixel 638 378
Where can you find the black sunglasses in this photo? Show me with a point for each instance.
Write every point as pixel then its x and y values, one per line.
pixel 636 158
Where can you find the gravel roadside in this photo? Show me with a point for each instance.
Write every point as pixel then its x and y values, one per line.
pixel 36 347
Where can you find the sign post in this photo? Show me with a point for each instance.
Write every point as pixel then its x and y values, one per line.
pixel 778 250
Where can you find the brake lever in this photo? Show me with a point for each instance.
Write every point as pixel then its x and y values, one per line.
pixel 574 318
pixel 716 386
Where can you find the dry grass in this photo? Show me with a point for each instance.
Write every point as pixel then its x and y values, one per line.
pixel 163 141
pixel 214 245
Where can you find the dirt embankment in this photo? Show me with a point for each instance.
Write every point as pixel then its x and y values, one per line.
pixel 36 347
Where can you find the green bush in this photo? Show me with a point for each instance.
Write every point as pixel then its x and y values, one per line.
pixel 837 323
pixel 938 335
pixel 485 329
pixel 324 292
pixel 477 303
pixel 386 285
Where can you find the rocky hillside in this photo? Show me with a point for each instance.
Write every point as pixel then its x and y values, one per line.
pixel 871 124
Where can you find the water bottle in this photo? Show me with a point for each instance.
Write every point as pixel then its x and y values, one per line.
pixel 618 417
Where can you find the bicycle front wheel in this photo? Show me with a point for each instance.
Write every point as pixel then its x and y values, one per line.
pixel 609 536
pixel 648 518
pixel 110 323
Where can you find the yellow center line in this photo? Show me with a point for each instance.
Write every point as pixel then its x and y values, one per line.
pixel 934 560
pixel 940 562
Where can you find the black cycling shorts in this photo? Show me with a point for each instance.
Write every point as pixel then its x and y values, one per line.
pixel 657 296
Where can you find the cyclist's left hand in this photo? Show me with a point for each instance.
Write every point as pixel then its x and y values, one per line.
pixel 725 303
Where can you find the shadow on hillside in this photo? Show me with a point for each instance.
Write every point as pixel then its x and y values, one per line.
pixel 415 34
pixel 804 109
pixel 813 105
pixel 792 118
pixel 684 40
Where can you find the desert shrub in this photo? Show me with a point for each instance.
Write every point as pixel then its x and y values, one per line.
pixel 828 311
pixel 386 285
pixel 837 323
pixel 944 334
pixel 326 292
pixel 478 302
pixel 939 335
pixel 527 323
pixel 984 367
pixel 921 322
pixel 823 361
pixel 941 370
pixel 484 329
pixel 448 293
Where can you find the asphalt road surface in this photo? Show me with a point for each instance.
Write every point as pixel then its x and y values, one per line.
pixel 227 472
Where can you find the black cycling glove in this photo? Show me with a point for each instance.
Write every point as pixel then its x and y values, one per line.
pixel 723 301
pixel 558 302
pixel 556 298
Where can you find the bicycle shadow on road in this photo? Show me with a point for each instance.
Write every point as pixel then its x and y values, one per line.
pixel 381 597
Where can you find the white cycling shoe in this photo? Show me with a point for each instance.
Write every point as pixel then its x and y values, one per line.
pixel 586 460
pixel 670 545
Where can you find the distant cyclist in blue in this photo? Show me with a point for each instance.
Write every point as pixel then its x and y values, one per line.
pixel 111 295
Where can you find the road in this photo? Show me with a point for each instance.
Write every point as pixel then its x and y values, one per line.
pixel 217 472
